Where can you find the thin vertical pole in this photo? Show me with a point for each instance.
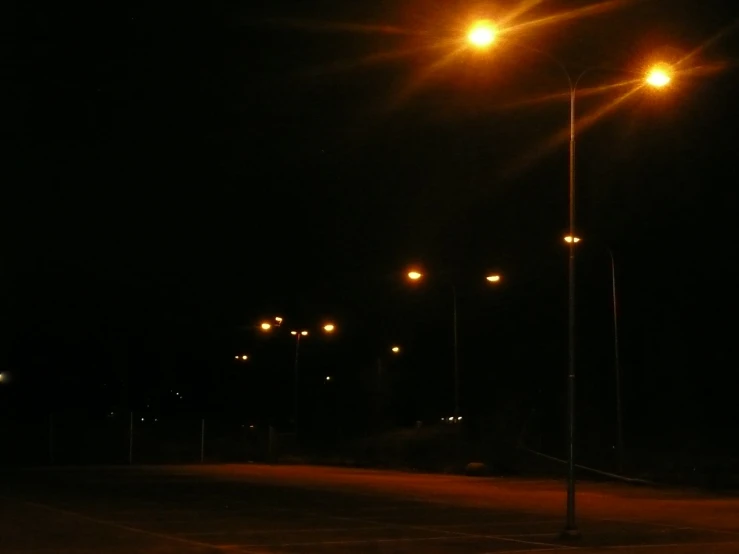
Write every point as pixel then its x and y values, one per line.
pixel 456 354
pixel 296 384
pixel 51 438
pixel 130 438
pixel 617 362
pixel 570 525
pixel 202 440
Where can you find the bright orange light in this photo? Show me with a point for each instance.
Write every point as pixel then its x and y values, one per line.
pixel 329 327
pixel 278 319
pixel 493 278
pixel 658 77
pixel 414 275
pixel 568 239
pixel 266 326
pixel 482 34
pixel 395 349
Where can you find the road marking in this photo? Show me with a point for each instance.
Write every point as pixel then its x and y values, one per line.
pixel 349 541
pixel 281 531
pixel 436 530
pixel 155 534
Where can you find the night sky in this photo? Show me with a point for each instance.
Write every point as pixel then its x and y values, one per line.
pixel 173 174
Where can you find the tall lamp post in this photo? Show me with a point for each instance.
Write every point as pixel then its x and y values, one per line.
pixel 616 354
pixel 267 326
pixel 482 35
pixel 296 376
pixel 416 275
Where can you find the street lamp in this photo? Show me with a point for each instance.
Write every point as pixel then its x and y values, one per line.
pixel 493 278
pixel 329 327
pixel 657 77
pixel 395 349
pixel 482 34
pixel 296 378
pixel 241 358
pixel 616 352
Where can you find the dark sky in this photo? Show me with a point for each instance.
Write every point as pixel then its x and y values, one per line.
pixel 175 173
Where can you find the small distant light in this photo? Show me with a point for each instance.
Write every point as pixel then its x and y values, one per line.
pixel 569 239
pixel 451 419
pixel 278 319
pixel 304 333
pixel 414 275
pixel 244 357
pixel 329 327
pixel 266 326
pixel 155 419
pixel 236 357
pixel 443 419
pixel 459 418
pixel 251 427
pixel 293 332
pixel 328 377
pixel 142 419
pixel 493 278
pixel 395 349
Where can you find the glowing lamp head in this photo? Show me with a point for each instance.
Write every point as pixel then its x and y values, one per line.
pixel 414 275
pixel 244 357
pixel 266 326
pixel 493 278
pixel 304 333
pixel 395 349
pixel 658 77
pixel 293 332
pixel 482 34
pixel 570 240
pixel 329 327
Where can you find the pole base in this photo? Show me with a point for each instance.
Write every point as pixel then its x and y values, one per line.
pixel 570 534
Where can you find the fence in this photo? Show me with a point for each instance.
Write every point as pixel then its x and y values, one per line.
pixel 132 438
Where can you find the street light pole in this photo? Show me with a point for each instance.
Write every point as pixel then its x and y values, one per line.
pixel 295 385
pixel 456 354
pixel 617 362
pixel 570 525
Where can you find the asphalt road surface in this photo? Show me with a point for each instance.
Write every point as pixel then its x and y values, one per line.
pixel 251 509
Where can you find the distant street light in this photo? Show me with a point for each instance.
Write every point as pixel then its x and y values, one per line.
pixel 241 358
pixel 395 349
pixel 266 326
pixel 492 278
pixel 329 327
pixel 569 239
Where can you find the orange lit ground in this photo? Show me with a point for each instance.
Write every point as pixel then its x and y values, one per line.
pixel 244 509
